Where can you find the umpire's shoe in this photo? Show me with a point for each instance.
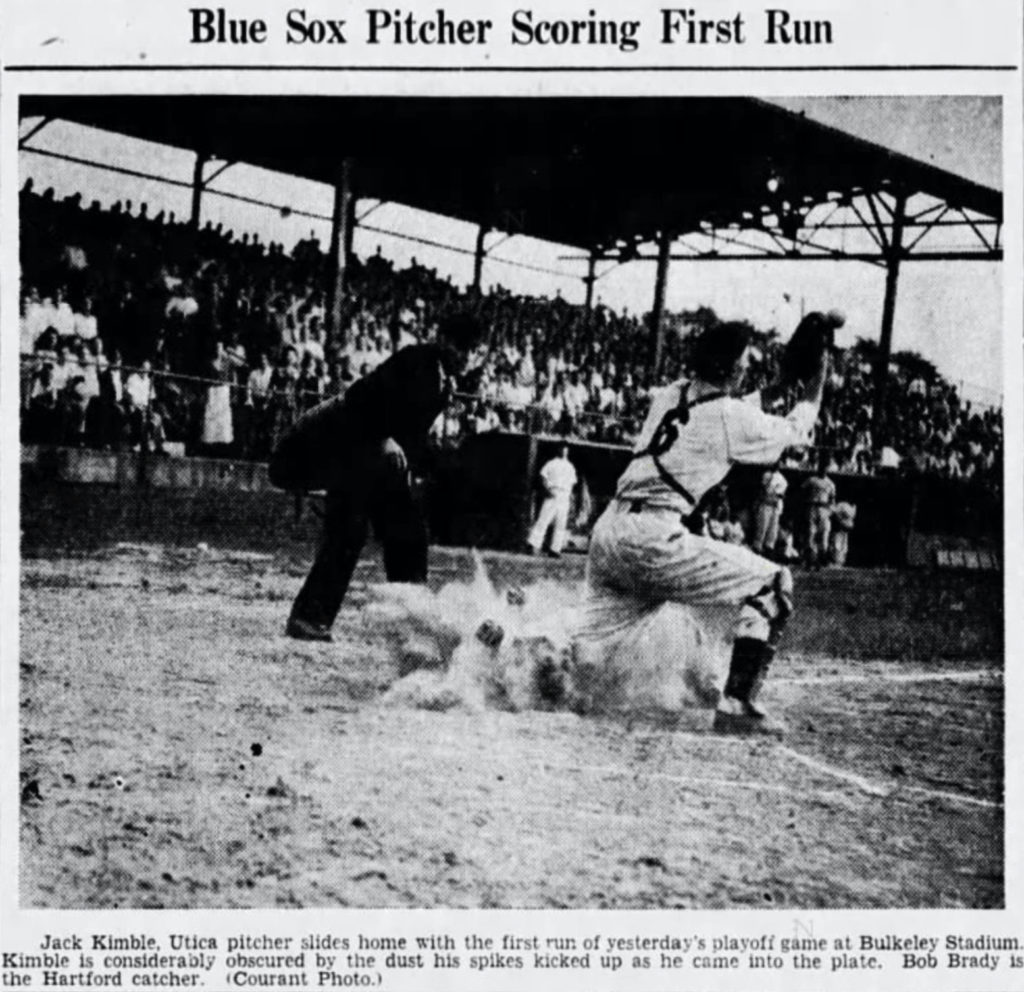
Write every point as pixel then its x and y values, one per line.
pixel 307 630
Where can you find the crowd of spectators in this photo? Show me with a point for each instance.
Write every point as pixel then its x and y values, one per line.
pixel 927 428
pixel 139 331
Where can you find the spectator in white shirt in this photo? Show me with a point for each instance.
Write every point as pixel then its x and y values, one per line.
pixel 575 395
pixel 138 386
pixel 484 419
pixel 64 316
pixel 66 366
pixel 257 387
pixel 45 315
pixel 553 403
pixel 889 459
pixel 86 327
pixel 609 400
pixel 27 333
pixel 314 343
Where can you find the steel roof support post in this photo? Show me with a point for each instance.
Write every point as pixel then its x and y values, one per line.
pixel 588 280
pixel 478 258
pixel 197 189
pixel 658 308
pixel 350 228
pixel 893 255
pixel 341 241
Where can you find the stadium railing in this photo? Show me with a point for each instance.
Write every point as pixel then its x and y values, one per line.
pixel 181 414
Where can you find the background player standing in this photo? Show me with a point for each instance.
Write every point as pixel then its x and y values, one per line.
pixel 768 511
pixel 358 448
pixel 819 493
pixel 844 516
pixel 641 546
pixel 558 477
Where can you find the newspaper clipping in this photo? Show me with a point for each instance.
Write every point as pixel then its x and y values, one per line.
pixel 504 497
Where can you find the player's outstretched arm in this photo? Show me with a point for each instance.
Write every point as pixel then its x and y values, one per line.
pixel 813 388
pixel 759 438
pixel 805 361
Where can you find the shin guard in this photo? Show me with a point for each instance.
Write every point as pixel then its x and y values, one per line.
pixel 738 712
pixel 748 670
pixel 744 668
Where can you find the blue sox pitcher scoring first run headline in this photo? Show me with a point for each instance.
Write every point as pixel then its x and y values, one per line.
pixel 671 26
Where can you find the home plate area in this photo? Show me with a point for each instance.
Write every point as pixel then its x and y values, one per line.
pixel 179 751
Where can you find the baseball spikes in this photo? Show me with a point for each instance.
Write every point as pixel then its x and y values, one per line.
pixel 738 712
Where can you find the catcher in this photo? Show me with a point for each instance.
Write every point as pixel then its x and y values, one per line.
pixel 642 547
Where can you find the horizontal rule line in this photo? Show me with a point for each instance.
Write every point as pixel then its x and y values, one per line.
pixel 508 68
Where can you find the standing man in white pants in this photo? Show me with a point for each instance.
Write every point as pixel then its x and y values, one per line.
pixel 819 493
pixel 558 477
pixel 768 511
pixel 844 516
pixel 642 550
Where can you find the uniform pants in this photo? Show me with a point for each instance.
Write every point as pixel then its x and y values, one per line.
pixel 819 526
pixel 766 526
pixel 650 557
pixel 374 492
pixel 840 546
pixel 554 511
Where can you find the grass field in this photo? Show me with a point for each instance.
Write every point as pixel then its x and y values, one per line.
pixel 178 751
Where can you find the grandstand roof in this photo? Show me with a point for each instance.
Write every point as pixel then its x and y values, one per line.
pixel 576 171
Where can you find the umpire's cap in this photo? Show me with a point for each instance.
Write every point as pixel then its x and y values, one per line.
pixel 461 331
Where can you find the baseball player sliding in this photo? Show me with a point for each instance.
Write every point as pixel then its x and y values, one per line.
pixel 641 546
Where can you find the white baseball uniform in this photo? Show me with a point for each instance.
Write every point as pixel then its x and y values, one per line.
pixel 641 551
pixel 558 477
pixel 820 496
pixel 768 510
pixel 844 516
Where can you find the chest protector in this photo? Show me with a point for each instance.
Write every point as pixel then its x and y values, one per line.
pixel 667 433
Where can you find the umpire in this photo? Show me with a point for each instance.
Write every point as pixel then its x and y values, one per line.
pixel 358 448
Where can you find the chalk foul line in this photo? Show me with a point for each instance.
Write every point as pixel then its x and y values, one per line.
pixel 972 675
pixel 880 790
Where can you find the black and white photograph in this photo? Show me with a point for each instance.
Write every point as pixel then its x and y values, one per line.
pixel 511 502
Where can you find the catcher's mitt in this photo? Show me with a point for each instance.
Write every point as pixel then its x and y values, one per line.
pixel 814 335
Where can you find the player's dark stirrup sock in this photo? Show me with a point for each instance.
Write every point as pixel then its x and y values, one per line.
pixel 750 662
pixel 765 663
pixel 748 669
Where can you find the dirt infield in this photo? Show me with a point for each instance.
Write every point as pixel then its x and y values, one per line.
pixel 178 751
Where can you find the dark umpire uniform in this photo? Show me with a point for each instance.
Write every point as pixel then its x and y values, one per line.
pixel 358 448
